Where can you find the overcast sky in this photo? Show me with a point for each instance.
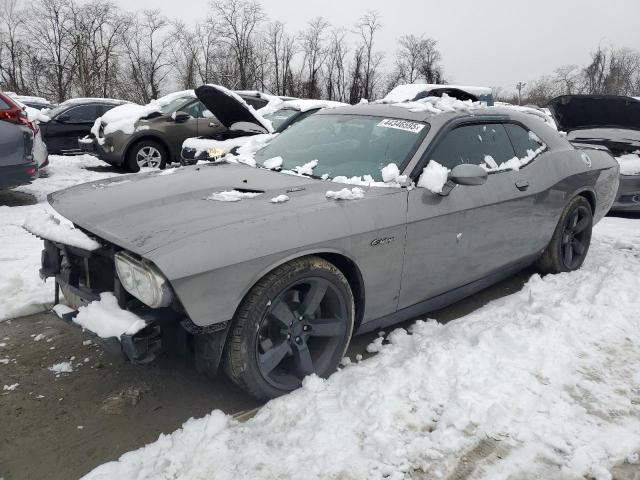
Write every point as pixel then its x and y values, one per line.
pixel 483 42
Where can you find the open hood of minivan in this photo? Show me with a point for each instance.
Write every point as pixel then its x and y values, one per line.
pixel 577 112
pixel 231 110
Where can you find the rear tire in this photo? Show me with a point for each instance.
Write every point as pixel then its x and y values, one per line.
pixel 570 243
pixel 295 321
pixel 147 153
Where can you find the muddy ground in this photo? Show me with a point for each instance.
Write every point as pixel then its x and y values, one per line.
pixel 60 426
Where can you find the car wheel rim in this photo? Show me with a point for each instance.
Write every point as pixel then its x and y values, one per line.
pixel 149 157
pixel 575 238
pixel 302 332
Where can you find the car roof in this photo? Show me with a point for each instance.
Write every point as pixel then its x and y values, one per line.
pixel 434 118
pixel 84 101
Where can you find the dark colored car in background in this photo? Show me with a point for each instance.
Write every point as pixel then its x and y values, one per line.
pixel 17 166
pixel 72 120
pixel 608 121
pixel 416 91
pixel 156 139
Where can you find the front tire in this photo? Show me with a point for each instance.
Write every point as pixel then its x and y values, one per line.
pixel 297 320
pixel 571 240
pixel 147 153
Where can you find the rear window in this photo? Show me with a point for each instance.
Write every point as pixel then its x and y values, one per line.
pixel 346 145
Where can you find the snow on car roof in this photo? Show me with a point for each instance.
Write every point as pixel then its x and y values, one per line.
pixel 79 100
pixel 406 93
pixel 28 98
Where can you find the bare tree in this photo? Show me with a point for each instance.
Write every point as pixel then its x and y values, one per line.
pixel 98 35
pixel 12 47
pixel 238 22
pixel 147 51
pixel 282 48
pixel 366 28
pixel 184 55
pixel 312 41
pixel 336 73
pixel 51 34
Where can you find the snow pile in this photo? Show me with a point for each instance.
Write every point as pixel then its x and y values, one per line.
pixel 280 199
pixel 273 163
pixel 433 177
pixel 62 367
pixel 52 226
pixel 219 148
pixel 346 194
pixel 10 388
pixel 307 168
pixel 22 292
pixel 106 319
pixel 437 105
pixel 629 164
pixel 406 93
pixel 232 196
pixel 124 117
pixel 391 175
pixel 543 114
pixel 542 383
pixel 301 105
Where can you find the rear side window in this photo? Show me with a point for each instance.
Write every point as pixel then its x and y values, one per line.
pixel 4 105
pixel 523 140
pixel 82 113
pixel 486 143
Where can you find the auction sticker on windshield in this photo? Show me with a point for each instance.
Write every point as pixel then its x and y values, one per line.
pixel 406 125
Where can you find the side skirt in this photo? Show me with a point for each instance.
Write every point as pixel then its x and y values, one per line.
pixel 444 299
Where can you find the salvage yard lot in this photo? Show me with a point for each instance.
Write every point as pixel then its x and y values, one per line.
pixel 537 378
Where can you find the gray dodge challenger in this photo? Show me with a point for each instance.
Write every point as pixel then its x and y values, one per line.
pixel 267 270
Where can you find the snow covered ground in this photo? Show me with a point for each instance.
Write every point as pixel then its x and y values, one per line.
pixel 544 383
pixel 21 290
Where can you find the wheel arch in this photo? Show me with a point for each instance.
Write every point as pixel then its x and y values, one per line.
pixel 590 196
pixel 347 266
pixel 148 137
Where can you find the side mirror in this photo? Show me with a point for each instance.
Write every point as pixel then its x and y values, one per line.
pixel 181 117
pixel 468 174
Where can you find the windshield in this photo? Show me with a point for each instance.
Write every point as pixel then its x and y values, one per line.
pixel 173 105
pixel 345 145
pixel 278 117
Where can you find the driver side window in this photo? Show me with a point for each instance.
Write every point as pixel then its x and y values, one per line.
pixel 81 114
pixel 195 109
pixel 481 144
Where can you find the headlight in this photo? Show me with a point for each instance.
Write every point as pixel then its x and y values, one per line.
pixel 143 280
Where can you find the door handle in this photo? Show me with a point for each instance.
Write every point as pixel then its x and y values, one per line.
pixel 522 185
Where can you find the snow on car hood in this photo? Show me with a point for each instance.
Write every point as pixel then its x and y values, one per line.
pixel 575 112
pixel 231 110
pixel 153 210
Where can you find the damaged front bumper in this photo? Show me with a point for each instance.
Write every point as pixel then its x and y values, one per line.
pixel 85 275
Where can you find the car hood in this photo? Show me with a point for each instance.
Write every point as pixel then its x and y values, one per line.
pixel 576 112
pixel 231 110
pixel 146 211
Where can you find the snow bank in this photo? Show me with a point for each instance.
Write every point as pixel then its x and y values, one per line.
pixel 124 117
pixel 433 177
pixel 52 226
pixel 232 196
pixel 106 319
pixel 346 194
pixel 542 383
pixel 629 164
pixel 22 292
